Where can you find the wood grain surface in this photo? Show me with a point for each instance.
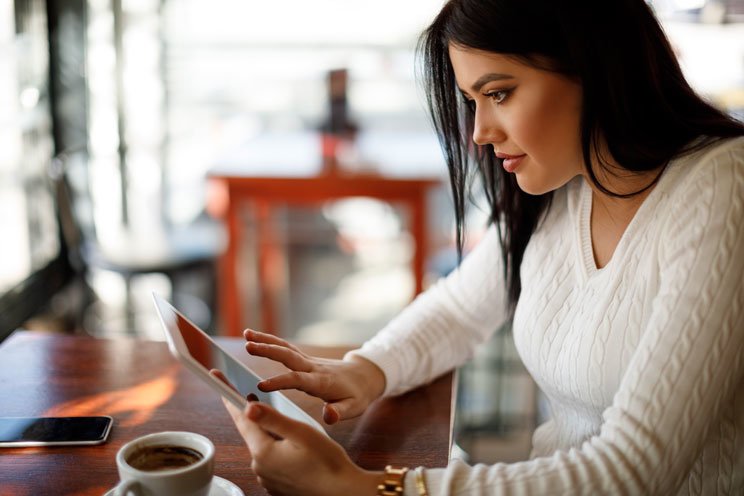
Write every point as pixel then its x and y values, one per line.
pixel 145 390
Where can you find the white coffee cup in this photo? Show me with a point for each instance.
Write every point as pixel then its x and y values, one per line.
pixel 194 478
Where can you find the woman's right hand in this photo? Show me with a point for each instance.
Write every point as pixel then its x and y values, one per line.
pixel 347 386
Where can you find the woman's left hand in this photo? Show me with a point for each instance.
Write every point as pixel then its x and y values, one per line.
pixel 290 457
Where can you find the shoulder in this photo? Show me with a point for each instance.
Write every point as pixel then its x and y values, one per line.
pixel 722 161
pixel 706 187
pixel 714 170
pixel 733 147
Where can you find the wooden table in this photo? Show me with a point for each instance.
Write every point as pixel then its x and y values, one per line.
pixel 267 193
pixel 145 390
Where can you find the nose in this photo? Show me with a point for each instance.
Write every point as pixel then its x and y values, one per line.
pixel 486 129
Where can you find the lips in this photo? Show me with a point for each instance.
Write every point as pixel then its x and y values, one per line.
pixel 510 162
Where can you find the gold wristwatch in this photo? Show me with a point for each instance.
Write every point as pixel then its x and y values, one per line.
pixel 393 483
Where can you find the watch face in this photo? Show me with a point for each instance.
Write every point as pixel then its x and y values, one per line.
pixel 393 483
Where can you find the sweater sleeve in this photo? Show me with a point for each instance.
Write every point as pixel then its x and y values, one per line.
pixel 685 370
pixel 441 328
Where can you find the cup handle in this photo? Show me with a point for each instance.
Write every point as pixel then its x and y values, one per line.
pixel 124 488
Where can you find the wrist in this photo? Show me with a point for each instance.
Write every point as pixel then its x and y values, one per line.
pixel 372 378
pixel 357 481
pixel 370 481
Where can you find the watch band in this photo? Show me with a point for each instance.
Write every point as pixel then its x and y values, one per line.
pixel 394 481
pixel 421 482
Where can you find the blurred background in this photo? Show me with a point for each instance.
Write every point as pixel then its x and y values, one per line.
pixel 117 115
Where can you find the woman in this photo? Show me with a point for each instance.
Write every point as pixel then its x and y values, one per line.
pixel 617 247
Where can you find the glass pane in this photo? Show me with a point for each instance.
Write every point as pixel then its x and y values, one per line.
pixel 28 225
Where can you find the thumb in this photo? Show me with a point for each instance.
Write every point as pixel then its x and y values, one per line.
pixel 339 410
pixel 268 419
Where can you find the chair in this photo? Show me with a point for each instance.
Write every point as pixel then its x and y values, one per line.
pixel 183 254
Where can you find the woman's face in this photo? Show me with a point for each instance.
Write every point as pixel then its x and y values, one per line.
pixel 529 116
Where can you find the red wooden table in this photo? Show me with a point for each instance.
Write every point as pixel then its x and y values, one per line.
pixel 269 192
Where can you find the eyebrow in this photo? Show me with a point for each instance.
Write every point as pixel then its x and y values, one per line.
pixel 487 78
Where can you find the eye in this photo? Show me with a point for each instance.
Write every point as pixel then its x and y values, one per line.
pixel 499 96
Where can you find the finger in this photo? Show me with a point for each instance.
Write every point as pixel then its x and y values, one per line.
pixel 271 421
pixel 219 375
pixel 258 438
pixel 236 415
pixel 340 410
pixel 312 384
pixel 290 358
pixel 254 437
pixel 262 337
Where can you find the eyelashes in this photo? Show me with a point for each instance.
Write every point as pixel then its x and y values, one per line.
pixel 496 96
pixel 499 96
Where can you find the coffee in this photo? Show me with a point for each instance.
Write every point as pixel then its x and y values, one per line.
pixel 154 458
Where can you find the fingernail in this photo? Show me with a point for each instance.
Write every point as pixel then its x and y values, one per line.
pixel 330 415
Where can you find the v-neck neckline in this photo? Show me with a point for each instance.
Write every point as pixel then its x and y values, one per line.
pixel 589 264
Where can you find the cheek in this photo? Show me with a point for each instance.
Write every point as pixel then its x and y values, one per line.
pixel 555 128
pixel 549 132
pixel 556 121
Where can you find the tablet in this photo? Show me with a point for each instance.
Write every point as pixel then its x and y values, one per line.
pixel 200 353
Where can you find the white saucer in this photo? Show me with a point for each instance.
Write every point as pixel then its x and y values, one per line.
pixel 223 487
pixel 220 487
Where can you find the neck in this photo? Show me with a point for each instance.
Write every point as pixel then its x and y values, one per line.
pixel 611 215
pixel 633 187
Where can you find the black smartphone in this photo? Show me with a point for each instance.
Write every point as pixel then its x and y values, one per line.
pixel 53 431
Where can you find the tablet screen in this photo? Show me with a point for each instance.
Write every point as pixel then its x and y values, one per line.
pixel 210 356
pixel 196 348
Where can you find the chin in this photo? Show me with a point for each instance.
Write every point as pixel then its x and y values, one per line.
pixel 534 187
pixel 539 184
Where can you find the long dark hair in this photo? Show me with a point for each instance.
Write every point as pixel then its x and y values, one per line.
pixel 635 98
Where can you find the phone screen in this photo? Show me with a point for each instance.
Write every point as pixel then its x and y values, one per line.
pixel 49 431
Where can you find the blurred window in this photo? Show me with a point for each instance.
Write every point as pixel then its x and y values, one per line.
pixel 708 38
pixel 29 234
pixel 28 225
pixel 187 81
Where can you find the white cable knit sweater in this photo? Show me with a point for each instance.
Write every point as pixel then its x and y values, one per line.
pixel 642 361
